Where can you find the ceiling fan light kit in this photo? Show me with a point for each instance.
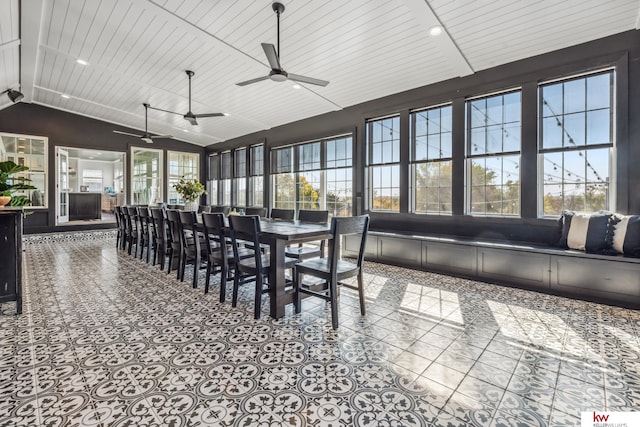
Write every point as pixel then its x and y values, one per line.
pixel 277 73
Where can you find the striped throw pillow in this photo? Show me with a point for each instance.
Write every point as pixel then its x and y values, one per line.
pixel 626 235
pixel 588 232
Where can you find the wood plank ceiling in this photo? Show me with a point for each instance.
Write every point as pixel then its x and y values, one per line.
pixel 137 51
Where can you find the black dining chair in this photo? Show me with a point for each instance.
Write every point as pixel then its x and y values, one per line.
pixel 160 245
pixel 246 228
pixel 220 209
pixel 194 245
pixel 120 236
pixel 283 214
pixel 146 235
pixel 302 251
pixel 204 209
pixel 133 229
pixel 261 212
pixel 220 252
pixel 333 269
pixel 173 241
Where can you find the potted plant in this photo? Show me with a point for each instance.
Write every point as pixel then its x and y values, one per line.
pixel 9 184
pixel 190 190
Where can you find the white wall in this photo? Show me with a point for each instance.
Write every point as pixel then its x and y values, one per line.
pixel 105 167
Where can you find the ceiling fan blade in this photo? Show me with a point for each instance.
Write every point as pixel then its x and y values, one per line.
pixel 209 115
pixel 272 56
pixel 166 111
pixel 147 140
pixel 191 118
pixel 310 80
pixel 159 136
pixel 128 134
pixel 248 82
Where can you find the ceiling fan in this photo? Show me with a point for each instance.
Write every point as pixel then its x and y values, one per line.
pixel 146 136
pixel 277 74
pixel 189 116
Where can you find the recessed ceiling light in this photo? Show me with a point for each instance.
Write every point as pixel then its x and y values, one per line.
pixel 91 157
pixel 82 61
pixel 98 154
pixel 296 86
pixel 226 114
pixel 435 31
pixel 184 130
pixel 65 96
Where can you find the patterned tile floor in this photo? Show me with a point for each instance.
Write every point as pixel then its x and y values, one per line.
pixel 107 340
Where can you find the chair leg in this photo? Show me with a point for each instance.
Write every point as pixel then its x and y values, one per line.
pixel 207 280
pixel 162 252
pixel 236 284
pixel 361 292
pixel 170 265
pixel 183 266
pixel 148 251
pixel 258 297
pixel 297 299
pixel 223 282
pixel 333 294
pixel 196 271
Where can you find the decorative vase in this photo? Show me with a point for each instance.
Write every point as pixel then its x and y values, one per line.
pixel 6 199
pixel 191 206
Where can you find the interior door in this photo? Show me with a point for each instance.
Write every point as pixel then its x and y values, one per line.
pixel 62 187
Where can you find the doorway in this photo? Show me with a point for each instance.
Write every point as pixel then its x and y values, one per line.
pixel 89 184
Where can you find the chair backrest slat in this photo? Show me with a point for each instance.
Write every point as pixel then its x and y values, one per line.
pixel 247 228
pixel 214 230
pixel 261 212
pixel 308 215
pixel 220 209
pixel 283 214
pixel 345 226
pixel 173 217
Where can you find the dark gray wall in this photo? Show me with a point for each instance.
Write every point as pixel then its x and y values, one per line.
pixel 70 130
pixel 621 50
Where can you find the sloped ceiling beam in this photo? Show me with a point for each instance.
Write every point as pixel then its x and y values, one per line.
pixel 30 25
pixel 428 19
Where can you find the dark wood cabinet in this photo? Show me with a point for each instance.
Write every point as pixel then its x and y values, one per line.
pixel 84 206
pixel 11 220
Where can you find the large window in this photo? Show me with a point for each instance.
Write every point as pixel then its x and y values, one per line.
pixel 314 175
pixel 225 178
pixel 147 176
pixel 181 165
pixel 431 160
pixel 256 172
pixel 383 137
pixel 240 176
pixel 493 154
pixel 29 151
pixel 576 144
pixel 339 176
pixel 92 180
pixel 284 188
pixel 309 177
pixel 212 181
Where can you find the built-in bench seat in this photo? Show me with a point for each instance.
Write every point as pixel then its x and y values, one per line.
pixel 604 278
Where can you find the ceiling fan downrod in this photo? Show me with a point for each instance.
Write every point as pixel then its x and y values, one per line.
pixel 278 8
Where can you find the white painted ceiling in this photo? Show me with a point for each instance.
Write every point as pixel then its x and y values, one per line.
pixel 138 51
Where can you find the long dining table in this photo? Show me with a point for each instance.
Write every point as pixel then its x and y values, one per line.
pixel 278 234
